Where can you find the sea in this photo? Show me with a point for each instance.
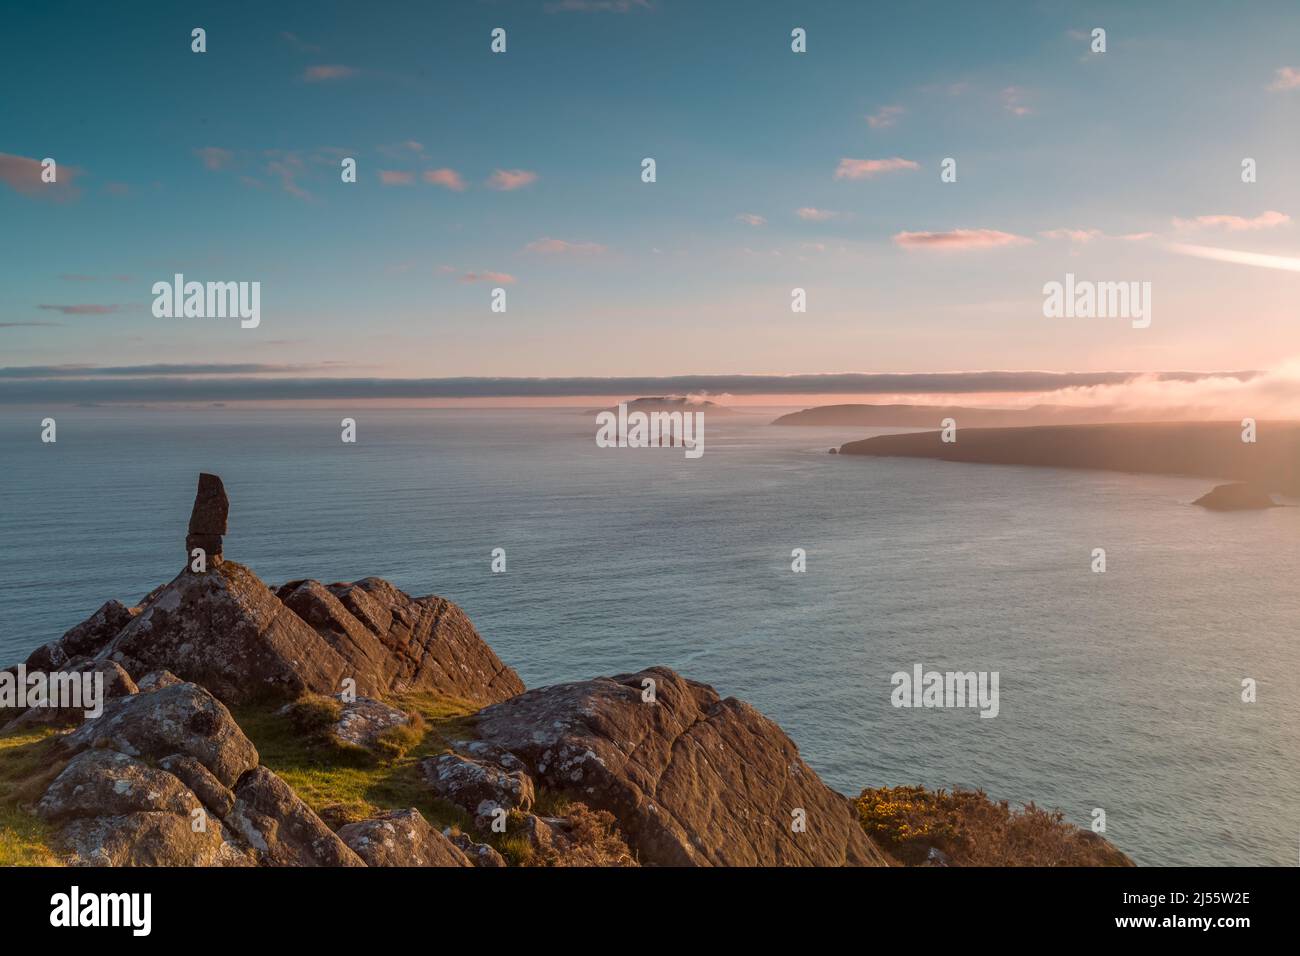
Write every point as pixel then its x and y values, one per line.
pixel 1119 691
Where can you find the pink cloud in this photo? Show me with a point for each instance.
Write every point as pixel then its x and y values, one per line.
pixel 508 179
pixel 548 246
pixel 500 278
pixel 885 117
pixel 1265 220
pixel 448 178
pixel 959 239
pixel 319 74
pixel 24 175
pixel 751 219
pixel 1013 101
pixel 1074 235
pixel 214 157
pixel 867 168
pixel 1285 78
pixel 810 214
pixel 395 177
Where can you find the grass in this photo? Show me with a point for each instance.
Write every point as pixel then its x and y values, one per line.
pixel 974 830
pixel 27 765
pixel 345 783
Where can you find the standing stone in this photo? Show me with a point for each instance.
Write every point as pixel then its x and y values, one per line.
pixel 208 519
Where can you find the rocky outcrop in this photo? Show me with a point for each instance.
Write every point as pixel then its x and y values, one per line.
pixel 401 838
pixel 480 780
pixel 208 519
pixel 363 721
pixel 479 854
pixel 692 779
pixel 283 830
pixel 1237 496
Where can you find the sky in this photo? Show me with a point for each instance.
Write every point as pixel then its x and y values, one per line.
pixel 522 170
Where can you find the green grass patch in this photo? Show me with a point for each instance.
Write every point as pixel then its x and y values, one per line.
pixel 27 765
pixel 342 784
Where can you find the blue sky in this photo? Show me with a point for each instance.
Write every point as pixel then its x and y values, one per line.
pixel 225 166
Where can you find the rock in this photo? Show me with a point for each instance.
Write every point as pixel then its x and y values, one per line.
pixel 280 828
pixel 480 786
pixel 107 783
pixel 224 629
pixel 114 682
pixel 692 779
pixel 834 451
pixel 147 839
pixel 363 721
pixel 401 838
pixel 85 639
pixel 1236 496
pixel 936 857
pixel 211 507
pixel 480 854
pixel 209 544
pixel 176 718
pixel 214 794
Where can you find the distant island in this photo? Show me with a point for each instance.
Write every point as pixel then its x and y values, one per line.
pixel 1197 449
pixel 669 403
pixel 908 416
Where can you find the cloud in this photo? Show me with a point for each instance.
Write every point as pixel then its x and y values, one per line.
pixel 1074 235
pixel 508 179
pixel 161 369
pixel 30 325
pixel 810 214
pixel 24 176
pixel 214 157
pixel 1285 78
pixel 1265 220
pixel 867 168
pixel 82 309
pixel 1221 395
pixel 959 239
pixel 548 246
pixel 597 6
pixel 299 44
pixel 1013 101
pixel 885 117
pixel 751 219
pixel 287 167
pixel 140 384
pixel 447 178
pixel 500 278
pixel 1237 257
pixel 321 74
pixel 395 177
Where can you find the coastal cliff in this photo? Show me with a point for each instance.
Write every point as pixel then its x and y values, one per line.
pixel 351 724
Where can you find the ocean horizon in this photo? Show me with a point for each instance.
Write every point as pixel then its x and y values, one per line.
pixel 1119 691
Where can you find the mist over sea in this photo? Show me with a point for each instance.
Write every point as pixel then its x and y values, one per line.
pixel 1118 690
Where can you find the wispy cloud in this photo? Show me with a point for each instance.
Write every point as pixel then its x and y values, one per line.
pixel 500 278
pixel 597 6
pixel 1285 78
pixel 298 43
pixel 1013 101
pixel 1073 235
pixel 867 168
pixel 751 219
pixel 91 309
pixel 885 117
pixel 447 178
pixel 811 214
pixel 1237 257
pixel 395 177
pixel 30 325
pixel 509 179
pixel 549 246
pixel 326 72
pixel 1265 220
pixel 214 157
pixel 960 239
pixel 24 176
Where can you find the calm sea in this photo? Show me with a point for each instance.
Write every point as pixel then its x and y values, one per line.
pixel 1118 690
